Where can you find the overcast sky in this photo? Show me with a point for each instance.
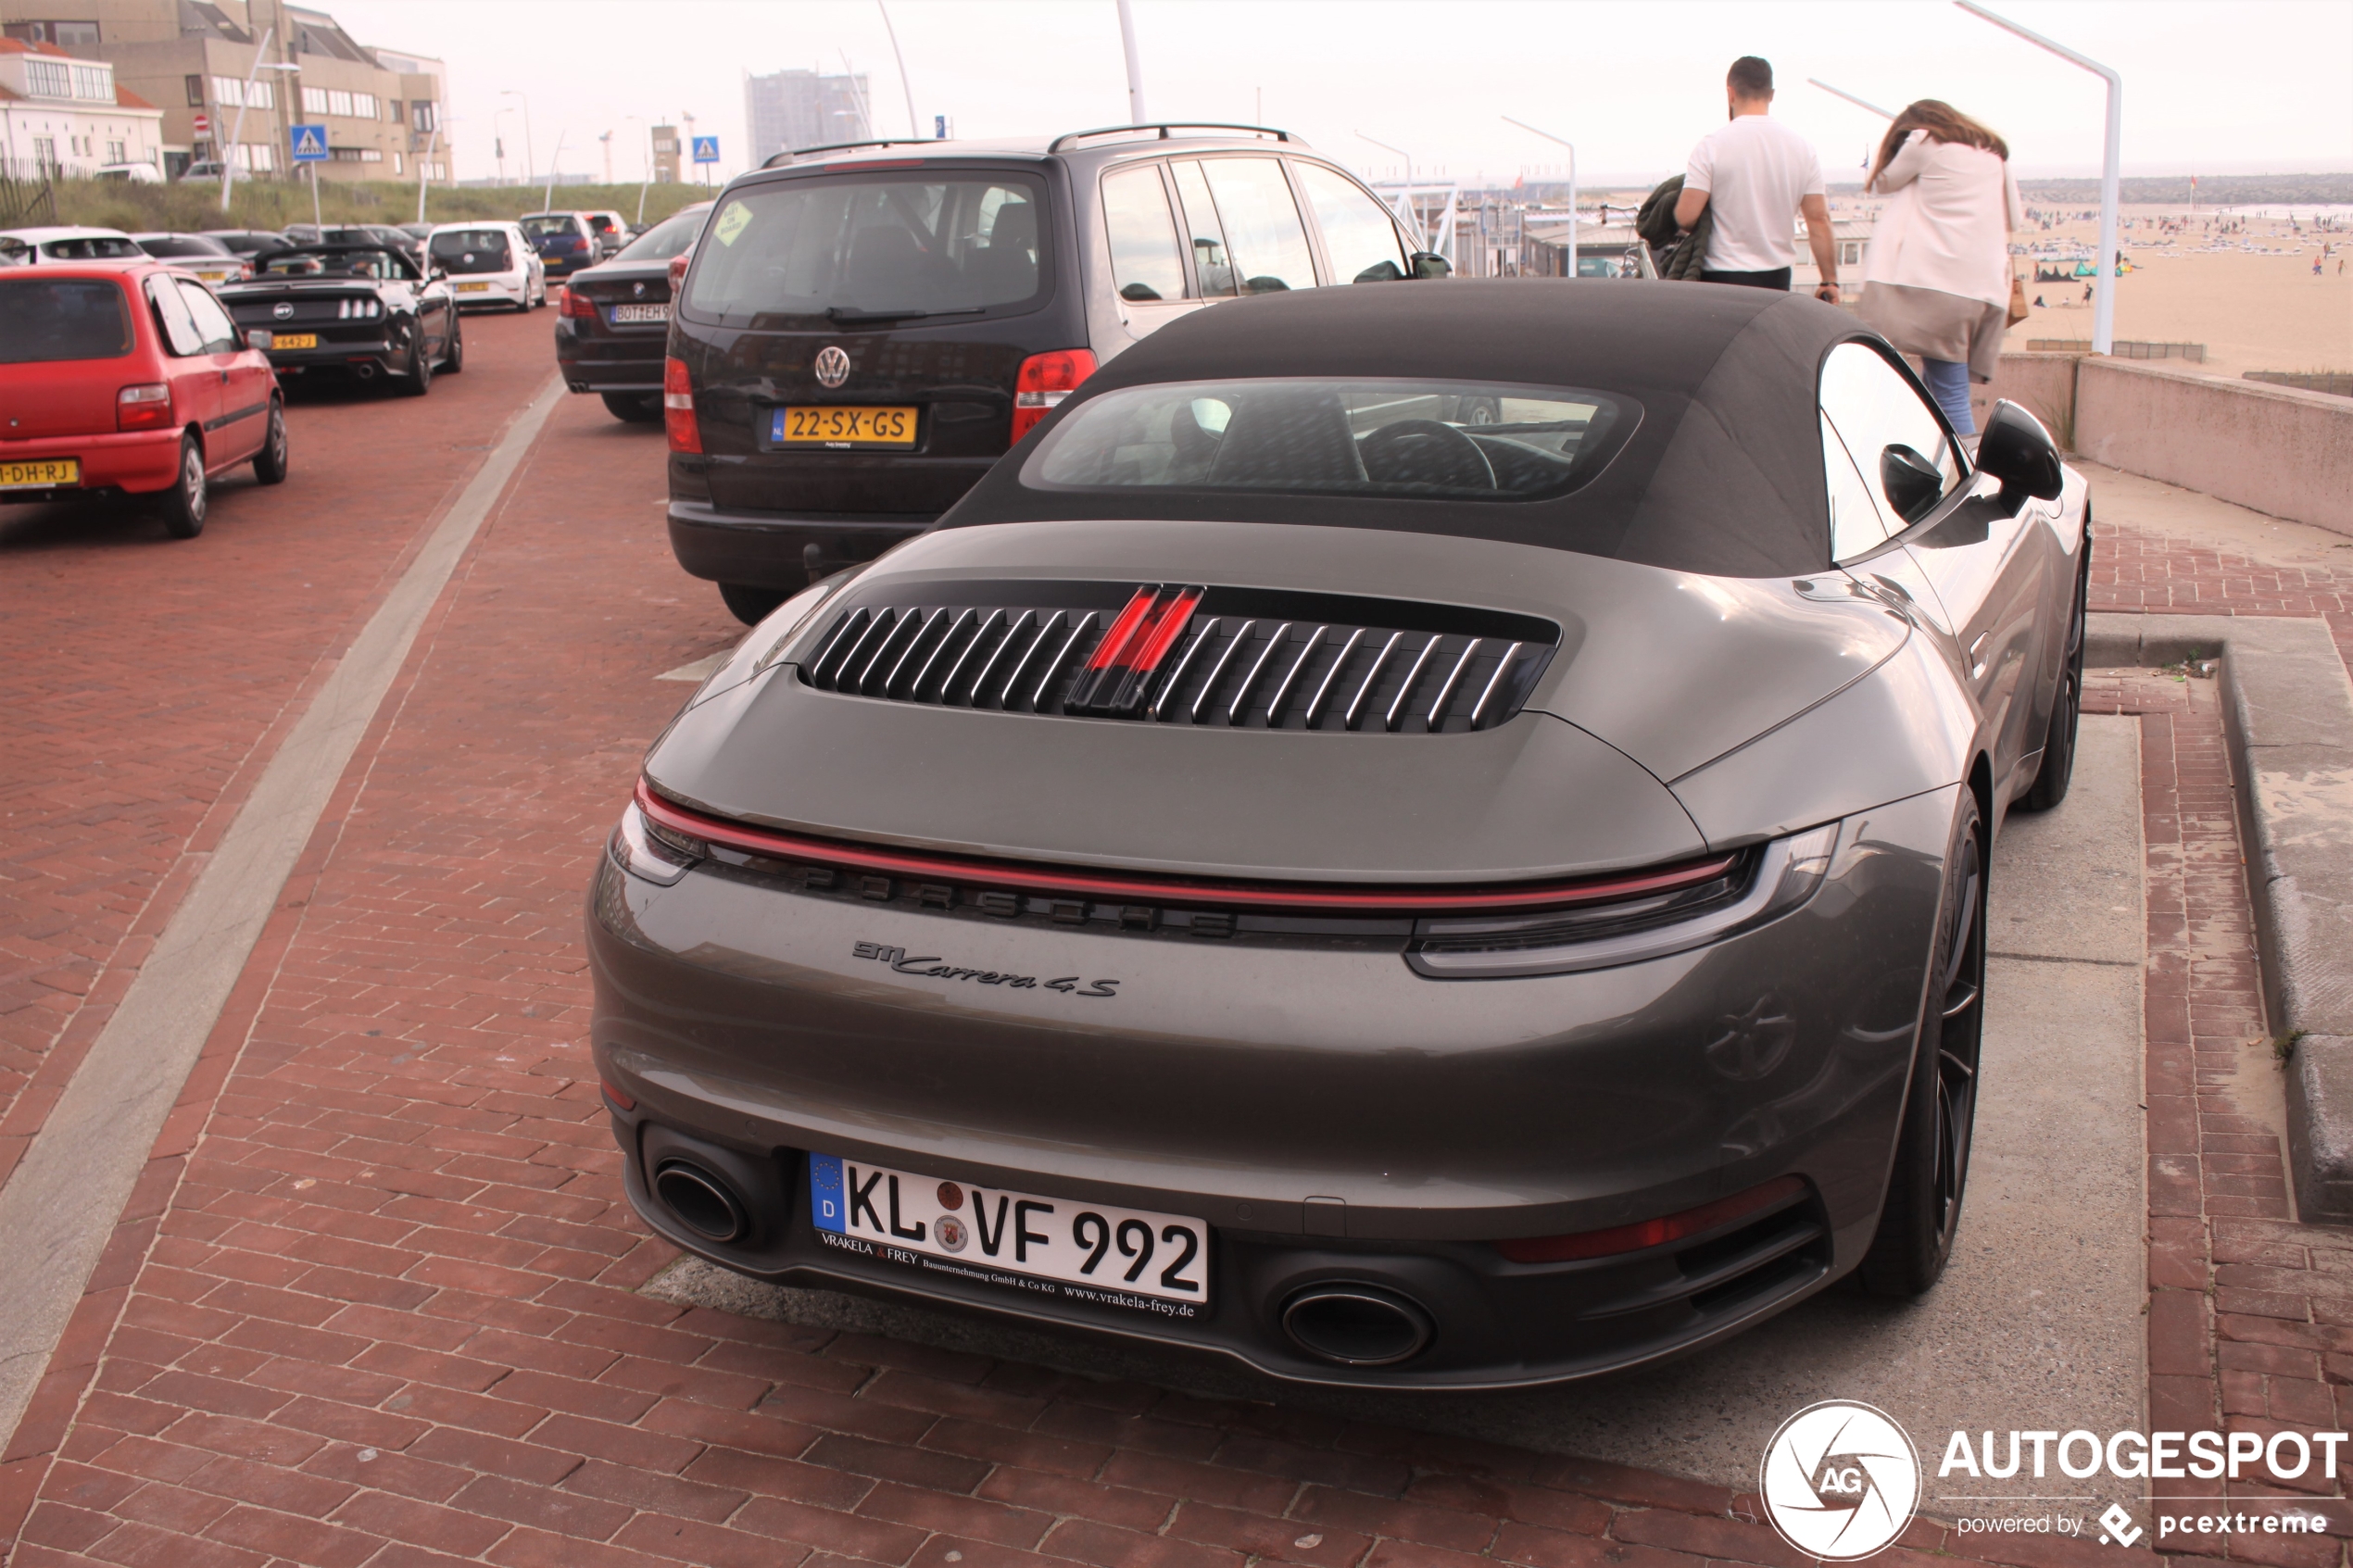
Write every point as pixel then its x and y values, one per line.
pixel 2211 86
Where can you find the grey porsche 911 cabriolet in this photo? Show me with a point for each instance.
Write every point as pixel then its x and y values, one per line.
pixel 1428 837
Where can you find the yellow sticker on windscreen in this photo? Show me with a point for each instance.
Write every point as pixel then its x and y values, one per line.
pixel 730 222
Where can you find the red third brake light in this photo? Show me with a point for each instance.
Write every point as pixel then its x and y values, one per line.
pixel 572 303
pixel 1045 379
pixel 142 407
pixel 678 407
pixel 1650 1233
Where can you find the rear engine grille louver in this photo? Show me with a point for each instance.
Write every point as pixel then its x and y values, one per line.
pixel 1177 655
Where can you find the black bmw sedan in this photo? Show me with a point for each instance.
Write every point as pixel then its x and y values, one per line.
pixel 613 320
pixel 1427 838
pixel 362 311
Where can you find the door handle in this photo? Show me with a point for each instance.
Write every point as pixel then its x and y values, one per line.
pixel 1976 654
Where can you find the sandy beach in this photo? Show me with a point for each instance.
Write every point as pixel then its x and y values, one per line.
pixel 2252 310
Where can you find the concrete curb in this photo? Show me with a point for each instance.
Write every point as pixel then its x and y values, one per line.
pixel 2287 710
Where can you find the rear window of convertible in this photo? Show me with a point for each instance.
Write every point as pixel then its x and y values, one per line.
pixel 1401 439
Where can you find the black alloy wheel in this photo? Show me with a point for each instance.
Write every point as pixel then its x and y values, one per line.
pixel 419 381
pixel 1930 1176
pixel 2066 709
pixel 752 605
pixel 453 353
pixel 270 463
pixel 184 504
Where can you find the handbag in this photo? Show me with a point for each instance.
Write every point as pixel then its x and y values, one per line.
pixel 2017 299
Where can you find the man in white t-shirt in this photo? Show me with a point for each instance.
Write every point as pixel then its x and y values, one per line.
pixel 1754 175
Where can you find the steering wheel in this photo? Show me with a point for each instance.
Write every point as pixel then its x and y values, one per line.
pixel 1426 452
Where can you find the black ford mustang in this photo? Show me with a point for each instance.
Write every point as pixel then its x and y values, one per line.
pixel 363 309
pixel 1430 837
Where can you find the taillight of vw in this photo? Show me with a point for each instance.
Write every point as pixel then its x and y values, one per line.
pixel 142 407
pixel 574 306
pixel 678 407
pixel 1045 379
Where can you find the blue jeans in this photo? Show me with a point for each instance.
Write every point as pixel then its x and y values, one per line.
pixel 1948 383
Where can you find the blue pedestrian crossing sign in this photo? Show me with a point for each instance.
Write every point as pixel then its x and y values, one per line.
pixel 706 149
pixel 310 144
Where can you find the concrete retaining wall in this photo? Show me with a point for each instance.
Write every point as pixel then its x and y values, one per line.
pixel 2277 449
pixel 2287 710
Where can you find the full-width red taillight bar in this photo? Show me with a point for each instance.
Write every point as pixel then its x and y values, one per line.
pixel 1112 885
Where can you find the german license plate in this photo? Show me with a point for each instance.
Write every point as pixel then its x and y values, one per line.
pixel 473 288
pixel 626 313
pixel 294 339
pixel 843 427
pixel 1088 1254
pixel 40 475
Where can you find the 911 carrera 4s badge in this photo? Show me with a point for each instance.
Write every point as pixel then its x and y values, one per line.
pixel 931 967
pixel 1087 1254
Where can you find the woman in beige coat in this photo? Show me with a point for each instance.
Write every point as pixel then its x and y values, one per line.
pixel 1937 277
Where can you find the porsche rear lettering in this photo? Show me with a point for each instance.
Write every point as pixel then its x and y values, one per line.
pixel 929 966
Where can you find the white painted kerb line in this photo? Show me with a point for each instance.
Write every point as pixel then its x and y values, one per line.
pixel 61 1203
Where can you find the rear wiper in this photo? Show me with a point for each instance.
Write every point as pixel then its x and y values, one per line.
pixel 836 313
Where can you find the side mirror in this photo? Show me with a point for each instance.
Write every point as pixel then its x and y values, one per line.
pixel 1912 484
pixel 1429 264
pixel 2016 449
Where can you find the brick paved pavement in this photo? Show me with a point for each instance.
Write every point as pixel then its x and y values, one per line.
pixel 374 1303
pixel 148 677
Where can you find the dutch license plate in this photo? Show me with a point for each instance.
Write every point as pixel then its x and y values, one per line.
pixel 55 471
pixel 294 339
pixel 1088 1254
pixel 625 313
pixel 473 288
pixel 843 427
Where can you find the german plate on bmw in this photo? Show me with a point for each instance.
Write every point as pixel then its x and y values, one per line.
pixel 1085 1252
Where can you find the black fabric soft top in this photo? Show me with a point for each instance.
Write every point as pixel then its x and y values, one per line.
pixel 1723 475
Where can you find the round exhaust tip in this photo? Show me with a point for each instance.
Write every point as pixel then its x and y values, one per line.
pixel 1356 1325
pixel 701 1200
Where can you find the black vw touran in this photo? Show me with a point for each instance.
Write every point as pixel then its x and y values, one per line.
pixel 864 330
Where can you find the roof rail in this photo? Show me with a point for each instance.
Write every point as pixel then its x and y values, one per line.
pixel 793 154
pixel 1166 131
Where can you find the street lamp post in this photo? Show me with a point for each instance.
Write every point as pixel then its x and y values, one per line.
pixel 529 162
pixel 1413 213
pixel 906 88
pixel 229 149
pixel 2104 283
pixel 1572 182
pixel 547 196
pixel 1841 92
pixel 644 161
pixel 1134 67
pixel 424 165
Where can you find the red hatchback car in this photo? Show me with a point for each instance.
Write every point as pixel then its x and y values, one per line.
pixel 133 380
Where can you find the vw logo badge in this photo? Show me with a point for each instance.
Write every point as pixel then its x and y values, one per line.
pixel 1840 1480
pixel 833 366
pixel 284 310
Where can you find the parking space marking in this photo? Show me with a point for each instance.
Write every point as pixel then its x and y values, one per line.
pixel 63 1199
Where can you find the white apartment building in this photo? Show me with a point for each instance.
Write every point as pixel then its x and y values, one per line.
pixel 62 117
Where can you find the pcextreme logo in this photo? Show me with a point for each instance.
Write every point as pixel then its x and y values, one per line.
pixel 1840 1480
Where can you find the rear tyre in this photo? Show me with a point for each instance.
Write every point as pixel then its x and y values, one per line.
pixel 750 605
pixel 454 353
pixel 270 463
pixel 1924 1190
pixel 637 408
pixel 2059 743
pixel 184 504
pixel 419 381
